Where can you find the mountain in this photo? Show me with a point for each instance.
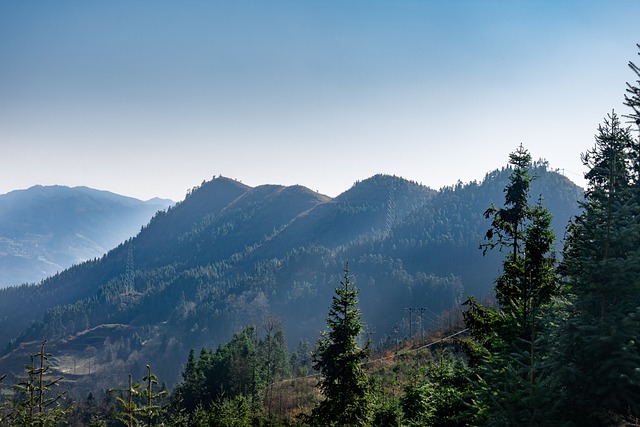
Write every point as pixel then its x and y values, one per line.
pixel 230 254
pixel 44 230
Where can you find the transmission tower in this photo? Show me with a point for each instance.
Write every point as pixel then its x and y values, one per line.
pixel 391 210
pixel 128 274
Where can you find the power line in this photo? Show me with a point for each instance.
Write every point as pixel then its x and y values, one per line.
pixel 390 356
pixel 420 348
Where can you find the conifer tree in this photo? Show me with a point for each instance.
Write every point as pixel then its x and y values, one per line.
pixel 632 95
pixel 35 404
pixel 599 353
pixel 632 100
pixel 188 393
pixel 506 353
pixel 528 277
pixel 340 360
pixel 128 401
pixel 274 355
pixel 140 405
pixel 154 408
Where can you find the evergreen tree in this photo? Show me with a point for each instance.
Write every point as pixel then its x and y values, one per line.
pixel 528 277
pixel 302 359
pixel 187 394
pixel 274 355
pixel 242 367
pixel 35 404
pixel 507 223
pixel 598 347
pixel 340 360
pixel 438 397
pixel 154 408
pixel 506 353
pixel 632 97
pixel 632 100
pixel 128 400
pixel 140 405
pixel 240 372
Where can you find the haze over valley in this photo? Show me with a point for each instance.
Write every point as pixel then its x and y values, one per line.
pixel 46 229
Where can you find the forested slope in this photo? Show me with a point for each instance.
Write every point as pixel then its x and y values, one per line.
pixel 230 254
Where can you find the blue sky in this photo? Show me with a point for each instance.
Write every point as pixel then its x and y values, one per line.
pixel 150 98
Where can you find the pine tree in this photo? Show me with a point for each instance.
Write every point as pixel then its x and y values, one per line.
pixel 528 277
pixel 128 400
pixel 274 355
pixel 188 393
pixel 140 406
pixel 340 360
pixel 632 100
pixel 154 408
pixel 506 349
pixel 598 348
pixel 35 404
pixel 507 223
pixel 632 95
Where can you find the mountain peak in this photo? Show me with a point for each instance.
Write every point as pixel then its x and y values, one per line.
pixel 45 229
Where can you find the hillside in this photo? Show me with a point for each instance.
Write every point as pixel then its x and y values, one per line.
pixel 231 254
pixel 44 230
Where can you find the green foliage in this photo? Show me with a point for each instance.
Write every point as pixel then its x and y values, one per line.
pixel 417 405
pixel 231 413
pixel 339 358
pixel 34 403
pixel 481 320
pixel 440 395
pixel 233 369
pixel 512 387
pixel 243 367
pixel 140 406
pixel 274 356
pixel 153 409
pixel 447 377
pixel 236 412
pixel 387 414
pixel 230 254
pixel 528 278
pixel 507 223
pixel 128 401
pixel 632 95
pixel 301 360
pixel 598 351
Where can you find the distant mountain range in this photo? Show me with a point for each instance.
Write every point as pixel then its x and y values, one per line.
pixel 230 254
pixel 44 230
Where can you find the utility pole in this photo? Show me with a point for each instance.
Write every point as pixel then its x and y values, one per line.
pixel 410 310
pixel 420 310
pixel 396 329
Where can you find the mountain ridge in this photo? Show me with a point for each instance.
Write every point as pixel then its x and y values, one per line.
pixel 45 229
pixel 230 254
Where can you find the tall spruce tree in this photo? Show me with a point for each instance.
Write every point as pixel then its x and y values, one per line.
pixel 339 358
pixel 599 352
pixel 512 384
pixel 274 356
pixel 632 95
pixel 632 100
pixel 524 231
pixel 35 402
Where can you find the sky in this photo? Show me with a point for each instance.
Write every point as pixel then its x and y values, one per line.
pixel 149 98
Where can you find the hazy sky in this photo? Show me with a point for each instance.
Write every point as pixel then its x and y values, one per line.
pixel 150 98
